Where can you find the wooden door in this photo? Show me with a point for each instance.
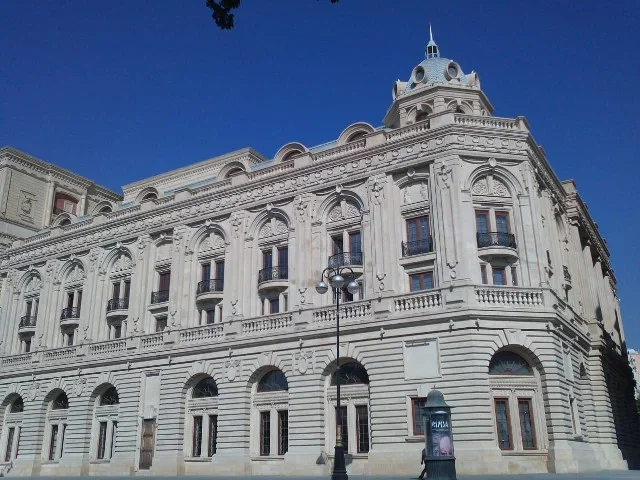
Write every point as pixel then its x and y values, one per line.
pixel 146 446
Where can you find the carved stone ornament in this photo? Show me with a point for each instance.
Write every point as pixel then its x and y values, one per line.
pixel 343 211
pixel 33 391
pixel 444 174
pixel 416 192
pixel 94 255
pixel 79 385
pixel 301 209
pixel 76 274
pixel 304 361
pixel 123 263
pixel 33 285
pixel 27 202
pixel 273 226
pixel 213 241
pixel 232 368
pixel 142 245
pixel 163 252
pixel 236 224
pixel 489 186
pixel 376 190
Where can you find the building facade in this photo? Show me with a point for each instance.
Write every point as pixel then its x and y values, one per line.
pixel 181 332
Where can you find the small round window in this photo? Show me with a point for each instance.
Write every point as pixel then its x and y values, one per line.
pixel 453 71
pixel 418 74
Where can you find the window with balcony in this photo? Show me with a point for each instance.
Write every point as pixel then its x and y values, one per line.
pixel 349 256
pixel 162 294
pixel 418 237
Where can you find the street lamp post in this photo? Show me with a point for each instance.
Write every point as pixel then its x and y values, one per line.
pixel 336 278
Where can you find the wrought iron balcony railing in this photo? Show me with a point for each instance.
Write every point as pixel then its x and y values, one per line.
pixel 211 285
pixel 27 322
pixel 273 273
pixel 160 296
pixel 70 313
pixel 346 259
pixel 496 239
pixel 118 304
pixel 424 245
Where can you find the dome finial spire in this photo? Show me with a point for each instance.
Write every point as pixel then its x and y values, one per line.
pixel 432 48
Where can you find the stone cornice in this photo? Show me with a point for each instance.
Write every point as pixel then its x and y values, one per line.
pixel 406 151
pixel 11 157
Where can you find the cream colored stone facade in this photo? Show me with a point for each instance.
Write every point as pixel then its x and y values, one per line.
pixel 464 242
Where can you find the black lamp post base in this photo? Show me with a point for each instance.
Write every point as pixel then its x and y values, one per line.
pixel 441 468
pixel 339 467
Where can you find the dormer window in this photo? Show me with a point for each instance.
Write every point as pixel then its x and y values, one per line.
pixel 149 197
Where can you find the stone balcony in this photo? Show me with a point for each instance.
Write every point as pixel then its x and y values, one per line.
pixel 273 278
pixel 70 317
pixel 27 324
pixel 210 292
pixel 497 244
pixel 435 305
pixel 117 308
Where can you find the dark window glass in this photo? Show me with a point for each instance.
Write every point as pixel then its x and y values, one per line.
pixel 220 270
pixel 79 302
pixel 526 424
pixel 355 242
pixel 211 316
pixel 362 422
pixel 421 281
pixel 265 433
pixel 197 436
pixel 205 273
pixel 483 273
pixel 164 282
pixel 61 402
pixel 351 373
pixel 161 324
pixel 417 405
pixel 342 426
pixel 338 246
pixel 205 388
pixel 499 276
pixel 509 363
pixel 114 434
pixel 53 443
pixel 102 439
pixel 502 223
pixel 110 397
pixel 273 381
pixel 69 339
pixel 117 331
pixel 116 290
pixel 17 406
pixel 70 300
pixel 482 222
pixel 283 258
pixel 127 288
pixel 283 432
pixel 502 423
pixel 10 435
pixel 267 259
pixel 514 276
pixel 27 346
pixel 36 305
pixel 274 305
pixel 28 312
pixel 213 435
pixel 417 229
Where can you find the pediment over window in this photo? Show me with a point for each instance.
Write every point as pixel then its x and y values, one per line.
pixel 490 186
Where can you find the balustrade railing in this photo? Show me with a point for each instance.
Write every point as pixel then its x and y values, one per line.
pixel 509 296
pixel 16 360
pixel 417 247
pixel 70 313
pixel 211 285
pixel 202 334
pixel 153 340
pixel 59 354
pixel 267 324
pixel 273 273
pixel 496 239
pixel 27 322
pixel 118 304
pixel 418 301
pixel 107 348
pixel 160 296
pixel 348 312
pixel 345 259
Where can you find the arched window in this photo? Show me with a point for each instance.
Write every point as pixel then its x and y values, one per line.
pixel 517 403
pixel 273 381
pixel 12 427
pixel 273 275
pixel 270 415
pixel 105 209
pixel 105 424
pixel 234 172
pixel 352 421
pixel 149 197
pixel 509 363
pixel 65 222
pixel 356 136
pixel 56 425
pixel 201 426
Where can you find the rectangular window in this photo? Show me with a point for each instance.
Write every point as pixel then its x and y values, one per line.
pixel 197 436
pixel 283 432
pixel 526 424
pixel 205 272
pixel 27 346
pixel 338 244
pixel 265 434
pixel 164 281
pixel 36 306
pixel 79 300
pixel 499 277
pixel 355 242
pixel 482 221
pixel 483 274
pixel 69 339
pixel 421 281
pixel 70 300
pixel 283 259
pixel 503 424
pixel 220 271
pixel 161 324
pixel 29 306
pixel 362 422
pixel 267 259
pixel 220 317
pixel 117 331
pixel 10 435
pixel 342 427
pixel 514 277
pixel 274 305
pixel 418 229
pixel 53 443
pixel 127 289
pixel 64 430
pixel 102 440
pixel 116 290
pixel 502 222
pixel 211 316
pixel 213 435
pixel 417 404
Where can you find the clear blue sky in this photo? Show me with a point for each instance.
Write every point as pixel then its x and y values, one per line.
pixel 120 90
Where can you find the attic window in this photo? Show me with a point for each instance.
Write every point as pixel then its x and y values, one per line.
pixel 149 196
pixel 234 172
pixel 289 156
pixel 105 210
pixel 356 136
pixel 420 116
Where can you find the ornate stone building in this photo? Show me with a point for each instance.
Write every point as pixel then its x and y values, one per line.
pixel 181 332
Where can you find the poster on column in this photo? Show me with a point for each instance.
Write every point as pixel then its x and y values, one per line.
pixel 440 433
